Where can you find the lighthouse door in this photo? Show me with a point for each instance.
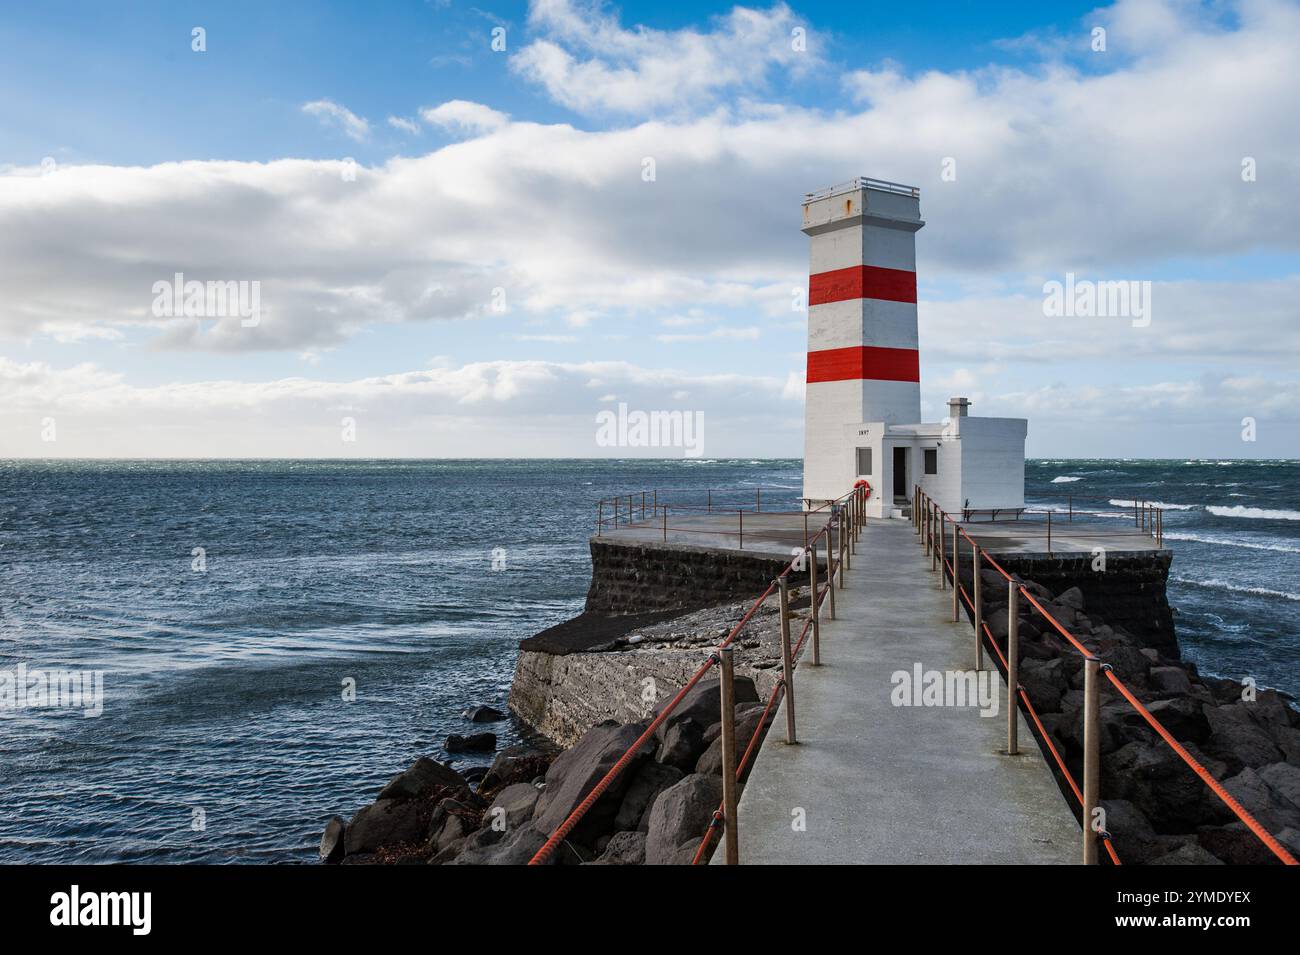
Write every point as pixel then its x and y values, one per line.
pixel 900 475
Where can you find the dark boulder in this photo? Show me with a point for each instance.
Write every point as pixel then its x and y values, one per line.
pixel 747 723
pixel 1159 784
pixel 681 745
pixel 577 771
pixel 331 841
pixel 513 806
pixel 451 822
pixel 679 818
pixel 703 703
pixel 517 848
pixel 424 775
pixel 474 742
pixel 385 823
pixel 623 848
pixel 516 764
pixel 1169 680
pixel 1072 598
pixel 1236 739
pixel 650 780
pixel 483 714
pixel 1187 854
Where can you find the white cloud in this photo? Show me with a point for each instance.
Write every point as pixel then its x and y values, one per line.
pixel 332 114
pixel 404 124
pixel 463 117
pixel 587 61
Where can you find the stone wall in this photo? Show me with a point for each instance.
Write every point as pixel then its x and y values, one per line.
pixel 640 577
pixel 1129 593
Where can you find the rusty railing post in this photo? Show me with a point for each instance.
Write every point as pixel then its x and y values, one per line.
pixel 805 528
pixel 730 832
pixel 941 539
pixel 1013 667
pixel 600 517
pixel 1049 532
pixel 814 609
pixel 1091 754
pixel 665 522
pixel 741 515
pixel 709 492
pixel 787 658
pixel 956 571
pixel 830 570
pixel 977 599
pixel 846 544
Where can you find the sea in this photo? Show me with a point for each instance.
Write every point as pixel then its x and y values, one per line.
pixel 275 639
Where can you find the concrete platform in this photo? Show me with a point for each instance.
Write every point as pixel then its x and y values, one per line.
pixel 879 783
pixel 1077 537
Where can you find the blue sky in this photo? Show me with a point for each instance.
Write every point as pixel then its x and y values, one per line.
pixel 127 156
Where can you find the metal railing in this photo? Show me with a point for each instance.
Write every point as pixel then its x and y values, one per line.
pixel 1148 519
pixel 840 534
pixel 931 524
pixel 863 182
pixel 654 510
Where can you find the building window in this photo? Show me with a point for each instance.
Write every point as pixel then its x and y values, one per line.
pixel 864 461
pixel 931 460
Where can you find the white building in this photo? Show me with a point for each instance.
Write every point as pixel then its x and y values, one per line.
pixel 863 399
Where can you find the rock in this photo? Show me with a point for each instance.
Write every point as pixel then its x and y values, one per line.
pixel 703 703
pixel 515 764
pixel 1169 680
pixel 516 849
pixel 331 841
pixel 1072 598
pixel 650 780
pixel 746 725
pixel 1284 780
pixel 1187 854
pixel 1236 739
pixel 451 822
pixel 514 805
pixel 1235 844
pixel 425 774
pixel 680 816
pixel 577 771
pixel 1183 718
pixel 1269 807
pixel 483 714
pixel 624 848
pixel 385 823
pixel 1159 784
pixel 474 742
pixel 1134 838
pixel 474 774
pixel 681 745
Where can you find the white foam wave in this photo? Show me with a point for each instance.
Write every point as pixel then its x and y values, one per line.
pixel 1230 542
pixel 1065 480
pixel 1213 583
pixel 1254 513
pixel 1160 504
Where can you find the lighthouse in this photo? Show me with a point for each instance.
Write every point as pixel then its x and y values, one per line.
pixel 862 415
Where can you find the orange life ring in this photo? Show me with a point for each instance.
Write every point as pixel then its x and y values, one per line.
pixel 861 483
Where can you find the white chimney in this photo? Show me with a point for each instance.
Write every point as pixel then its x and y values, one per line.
pixel 957 407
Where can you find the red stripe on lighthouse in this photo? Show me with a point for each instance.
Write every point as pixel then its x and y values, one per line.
pixel 864 361
pixel 862 281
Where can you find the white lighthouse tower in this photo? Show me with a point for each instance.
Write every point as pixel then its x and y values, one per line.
pixel 863 398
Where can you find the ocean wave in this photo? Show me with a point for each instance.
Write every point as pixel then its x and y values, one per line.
pixel 1230 542
pixel 1160 504
pixel 1214 583
pixel 1254 513
pixel 1065 480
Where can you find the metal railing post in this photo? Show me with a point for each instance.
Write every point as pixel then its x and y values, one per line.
pixel 600 517
pixel 805 528
pixel 741 516
pixel 787 658
pixel 1013 667
pixel 730 833
pixel 1091 754
pixel 940 538
pixel 956 572
pixel 830 570
pixel 665 522
pixel 846 545
pixel 1160 528
pixel 814 609
pixel 977 598
pixel 710 499
pixel 1049 532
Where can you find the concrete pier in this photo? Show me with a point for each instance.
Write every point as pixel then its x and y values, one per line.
pixel 872 782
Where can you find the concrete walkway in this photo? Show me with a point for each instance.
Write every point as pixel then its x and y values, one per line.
pixel 879 783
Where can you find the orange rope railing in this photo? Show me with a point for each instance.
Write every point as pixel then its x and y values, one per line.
pixel 562 831
pixel 1240 811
